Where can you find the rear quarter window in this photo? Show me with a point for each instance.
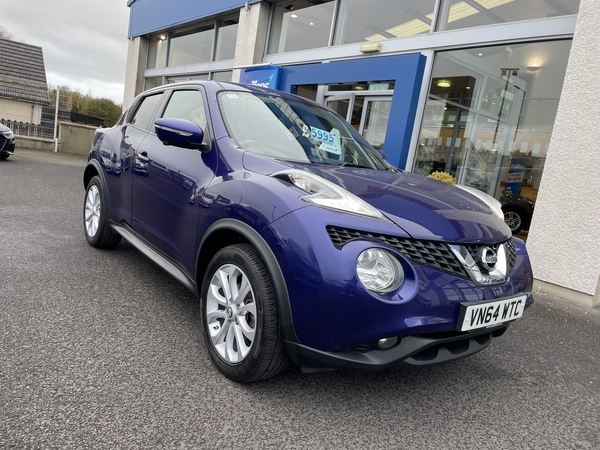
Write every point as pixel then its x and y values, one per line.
pixel 145 112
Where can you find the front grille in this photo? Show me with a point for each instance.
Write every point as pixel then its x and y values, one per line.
pixel 511 250
pixel 432 254
pixel 512 254
pixel 436 255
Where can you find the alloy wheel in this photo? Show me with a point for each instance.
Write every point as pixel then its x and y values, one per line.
pixel 231 313
pixel 513 220
pixel 92 211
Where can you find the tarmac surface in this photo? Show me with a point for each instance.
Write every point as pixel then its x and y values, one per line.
pixel 103 350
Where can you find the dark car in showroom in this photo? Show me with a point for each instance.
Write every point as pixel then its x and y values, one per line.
pixel 517 211
pixel 302 243
pixel 7 142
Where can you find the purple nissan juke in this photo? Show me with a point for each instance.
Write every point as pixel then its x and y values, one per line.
pixel 303 244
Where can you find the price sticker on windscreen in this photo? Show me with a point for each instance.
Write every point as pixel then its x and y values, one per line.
pixel 330 140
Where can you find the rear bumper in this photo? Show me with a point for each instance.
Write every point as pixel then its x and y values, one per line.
pixel 410 353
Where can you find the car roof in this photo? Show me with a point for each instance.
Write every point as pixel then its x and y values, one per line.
pixel 212 87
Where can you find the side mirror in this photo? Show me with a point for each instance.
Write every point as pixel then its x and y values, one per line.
pixel 180 133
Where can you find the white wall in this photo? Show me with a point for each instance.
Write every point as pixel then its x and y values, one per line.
pixel 564 239
pixel 134 72
pixel 21 111
pixel 252 36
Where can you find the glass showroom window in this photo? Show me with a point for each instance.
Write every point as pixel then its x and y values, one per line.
pixel 490 113
pixel 192 46
pixel 153 82
pixel 226 38
pixel 377 20
pixel 222 76
pixel 473 13
pixel 301 25
pixel 157 51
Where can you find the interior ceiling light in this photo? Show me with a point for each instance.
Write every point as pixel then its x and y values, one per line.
pixel 162 37
pixel 458 11
pixel 444 83
pixel 294 16
pixel 533 68
pixel 462 10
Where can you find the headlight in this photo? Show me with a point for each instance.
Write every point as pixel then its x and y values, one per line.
pixel 494 204
pixel 8 134
pixel 379 271
pixel 328 195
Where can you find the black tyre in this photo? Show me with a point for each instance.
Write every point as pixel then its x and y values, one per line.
pixel 240 317
pixel 513 218
pixel 97 230
pixel 3 157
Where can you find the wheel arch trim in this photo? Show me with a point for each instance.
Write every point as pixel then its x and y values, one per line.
pixel 93 165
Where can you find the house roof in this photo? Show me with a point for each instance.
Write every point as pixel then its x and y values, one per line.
pixel 22 72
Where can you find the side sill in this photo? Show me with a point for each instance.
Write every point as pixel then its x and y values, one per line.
pixel 157 258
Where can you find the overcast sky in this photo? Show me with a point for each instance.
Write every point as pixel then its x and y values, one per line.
pixel 84 41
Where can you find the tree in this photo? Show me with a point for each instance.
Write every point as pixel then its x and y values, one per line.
pixel 103 108
pixel 75 101
pixel 5 34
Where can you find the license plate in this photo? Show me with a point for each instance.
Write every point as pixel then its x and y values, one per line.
pixel 487 314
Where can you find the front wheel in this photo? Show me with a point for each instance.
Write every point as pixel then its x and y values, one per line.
pixel 514 219
pixel 240 317
pixel 3 157
pixel 95 217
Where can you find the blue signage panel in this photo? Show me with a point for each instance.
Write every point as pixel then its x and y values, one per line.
pixel 266 76
pixel 516 172
pixel 405 70
pixel 148 16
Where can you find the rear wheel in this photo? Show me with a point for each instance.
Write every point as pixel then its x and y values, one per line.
pixel 95 218
pixel 240 317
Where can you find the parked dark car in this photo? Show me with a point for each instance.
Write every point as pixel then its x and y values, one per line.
pixel 517 211
pixel 7 142
pixel 303 244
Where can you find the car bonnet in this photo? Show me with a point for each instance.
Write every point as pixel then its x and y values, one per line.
pixel 426 209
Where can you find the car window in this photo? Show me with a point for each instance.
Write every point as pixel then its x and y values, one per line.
pixel 145 111
pixel 187 105
pixel 290 129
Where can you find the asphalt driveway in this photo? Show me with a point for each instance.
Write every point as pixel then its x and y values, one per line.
pixel 102 349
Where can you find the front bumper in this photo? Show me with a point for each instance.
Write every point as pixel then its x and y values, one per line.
pixel 7 146
pixel 411 352
pixel 333 314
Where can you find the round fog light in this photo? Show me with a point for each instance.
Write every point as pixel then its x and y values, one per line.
pixel 385 343
pixel 379 271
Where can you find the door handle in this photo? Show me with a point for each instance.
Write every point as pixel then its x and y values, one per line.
pixel 143 157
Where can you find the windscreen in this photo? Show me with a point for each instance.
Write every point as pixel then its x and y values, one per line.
pixel 294 130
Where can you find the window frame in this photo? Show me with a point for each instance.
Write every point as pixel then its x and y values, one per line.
pixel 152 117
pixel 169 94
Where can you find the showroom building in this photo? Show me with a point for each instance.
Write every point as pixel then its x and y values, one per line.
pixel 502 94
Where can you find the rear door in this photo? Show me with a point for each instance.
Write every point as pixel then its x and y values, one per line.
pixel 167 192
pixel 136 125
